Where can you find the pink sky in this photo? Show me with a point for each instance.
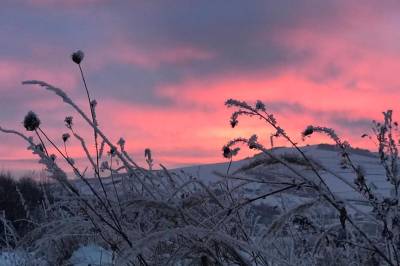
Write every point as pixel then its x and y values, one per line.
pixel 161 72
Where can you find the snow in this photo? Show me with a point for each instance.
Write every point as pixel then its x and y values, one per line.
pixel 85 255
pixel 91 255
pixel 11 259
pixel 326 155
pixel 19 258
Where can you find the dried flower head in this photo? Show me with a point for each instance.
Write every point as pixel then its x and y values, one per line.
pixel 68 122
pixel 93 104
pixel 31 121
pixel 112 151
pixel 65 137
pixel 308 131
pixel 121 142
pixel 252 142
pixel 260 105
pixel 149 160
pixel 147 153
pixel 228 153
pixel 233 121
pixel 77 57
pixel 236 103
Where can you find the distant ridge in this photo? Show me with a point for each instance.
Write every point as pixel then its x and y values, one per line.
pixel 329 147
pixel 358 151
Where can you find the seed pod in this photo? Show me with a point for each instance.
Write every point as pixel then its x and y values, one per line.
pixel 77 57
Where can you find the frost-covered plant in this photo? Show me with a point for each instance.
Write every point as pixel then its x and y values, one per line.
pixel 361 240
pixel 143 216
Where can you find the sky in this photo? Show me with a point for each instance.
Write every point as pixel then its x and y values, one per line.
pixel 161 70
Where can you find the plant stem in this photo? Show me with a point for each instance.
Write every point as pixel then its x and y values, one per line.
pixel 41 141
pixel 92 112
pixel 107 209
pixel 94 122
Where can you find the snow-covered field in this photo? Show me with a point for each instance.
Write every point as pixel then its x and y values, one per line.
pixel 326 155
pixel 334 174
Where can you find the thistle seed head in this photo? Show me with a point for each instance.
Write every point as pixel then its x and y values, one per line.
pixel 31 121
pixel 77 57
pixel 226 151
pixel 65 137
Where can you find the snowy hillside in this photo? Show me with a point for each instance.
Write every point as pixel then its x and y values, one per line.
pixel 325 155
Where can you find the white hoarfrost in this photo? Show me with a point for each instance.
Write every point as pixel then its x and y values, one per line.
pixel 91 255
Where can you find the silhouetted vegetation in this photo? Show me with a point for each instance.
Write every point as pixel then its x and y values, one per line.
pixel 20 202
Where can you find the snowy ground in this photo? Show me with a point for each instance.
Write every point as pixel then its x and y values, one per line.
pixel 324 155
pixel 86 255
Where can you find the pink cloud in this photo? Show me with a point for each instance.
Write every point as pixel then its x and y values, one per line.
pixel 122 51
pixel 362 49
pixel 12 73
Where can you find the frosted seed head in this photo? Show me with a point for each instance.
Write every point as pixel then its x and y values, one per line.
pixel 308 131
pixel 65 137
pixel 121 142
pixel 93 103
pixel 68 122
pixel 77 57
pixel 260 105
pixel 147 153
pixel 31 121
pixel 113 151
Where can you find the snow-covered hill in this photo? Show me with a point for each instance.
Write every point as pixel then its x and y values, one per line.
pixel 328 156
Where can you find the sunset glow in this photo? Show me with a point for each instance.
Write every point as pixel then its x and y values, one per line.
pixel 162 72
